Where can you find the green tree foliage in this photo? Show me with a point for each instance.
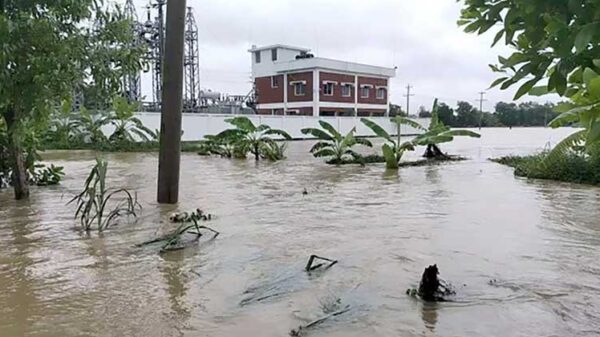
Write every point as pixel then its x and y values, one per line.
pixel 49 48
pixel 396 110
pixel 467 115
pixel 333 144
pixel 557 48
pixel 446 115
pixel 423 113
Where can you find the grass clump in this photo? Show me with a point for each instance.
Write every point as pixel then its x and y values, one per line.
pixel 572 167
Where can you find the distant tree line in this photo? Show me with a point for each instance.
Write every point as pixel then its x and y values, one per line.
pixel 505 114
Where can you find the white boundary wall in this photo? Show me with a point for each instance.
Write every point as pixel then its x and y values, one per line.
pixel 196 126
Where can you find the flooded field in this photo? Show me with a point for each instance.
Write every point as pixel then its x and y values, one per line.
pixel 524 256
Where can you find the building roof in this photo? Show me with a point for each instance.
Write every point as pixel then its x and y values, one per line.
pixel 334 65
pixel 280 46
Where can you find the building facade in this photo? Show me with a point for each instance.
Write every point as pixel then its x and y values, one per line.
pixel 290 81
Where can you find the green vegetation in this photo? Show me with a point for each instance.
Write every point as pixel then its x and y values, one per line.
pixel 393 150
pixel 334 145
pixel 93 206
pixel 572 167
pixel 464 115
pixel 245 138
pixel 438 133
pixel 51 49
pixel 35 173
pixel 189 223
pixel 557 43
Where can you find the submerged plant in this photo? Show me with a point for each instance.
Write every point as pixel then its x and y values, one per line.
pixel 189 224
pixel 393 150
pixel 333 145
pixel 273 151
pixel 95 203
pixel 438 133
pixel 251 138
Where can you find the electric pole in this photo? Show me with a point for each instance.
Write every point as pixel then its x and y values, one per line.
pixel 408 94
pixel 481 100
pixel 172 104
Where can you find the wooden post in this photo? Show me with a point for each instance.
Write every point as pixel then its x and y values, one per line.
pixel 172 95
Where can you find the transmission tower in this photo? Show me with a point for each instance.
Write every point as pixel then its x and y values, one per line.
pixel 191 63
pixel 132 82
pixel 153 31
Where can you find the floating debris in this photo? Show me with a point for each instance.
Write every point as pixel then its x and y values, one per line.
pixel 431 287
pixel 310 266
pixel 301 329
pixel 189 224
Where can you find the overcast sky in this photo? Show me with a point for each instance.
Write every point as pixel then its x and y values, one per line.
pixel 421 38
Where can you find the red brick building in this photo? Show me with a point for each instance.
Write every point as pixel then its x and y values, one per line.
pixel 290 81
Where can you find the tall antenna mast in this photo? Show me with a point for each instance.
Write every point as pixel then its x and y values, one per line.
pixel 132 82
pixel 191 63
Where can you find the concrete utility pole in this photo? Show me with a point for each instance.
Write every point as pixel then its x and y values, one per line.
pixel 172 103
pixel 408 94
pixel 481 100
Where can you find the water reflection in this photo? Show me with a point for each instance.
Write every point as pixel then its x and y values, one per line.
pixel 429 315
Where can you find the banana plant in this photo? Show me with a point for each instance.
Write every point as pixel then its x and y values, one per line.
pixel 333 144
pixel 90 125
pixel 393 149
pixel 251 138
pixel 438 133
pixel 127 126
pixel 63 125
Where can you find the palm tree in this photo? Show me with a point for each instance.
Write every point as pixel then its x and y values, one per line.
pixel 333 144
pixel 393 149
pixel 127 126
pixel 250 138
pixel 438 133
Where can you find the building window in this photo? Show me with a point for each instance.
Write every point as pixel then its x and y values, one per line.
pixel 274 54
pixel 346 90
pixel 328 89
pixel 299 89
pixel 380 93
pixel 257 56
pixel 274 82
pixel 364 92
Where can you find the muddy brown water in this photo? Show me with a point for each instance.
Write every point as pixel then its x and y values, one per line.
pixel 538 242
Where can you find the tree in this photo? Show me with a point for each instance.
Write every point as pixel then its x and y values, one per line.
pixel 508 114
pixel 396 110
pixel 423 113
pixel 467 115
pixel 48 49
pixel 554 40
pixel 446 114
pixel 438 133
pixel 333 144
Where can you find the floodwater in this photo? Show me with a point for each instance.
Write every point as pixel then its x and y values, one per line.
pixel 524 256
